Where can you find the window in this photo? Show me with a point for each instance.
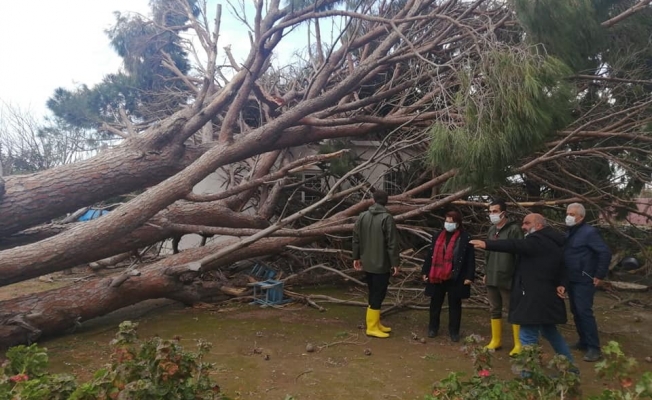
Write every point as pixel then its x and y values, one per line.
pixel 393 182
pixel 314 185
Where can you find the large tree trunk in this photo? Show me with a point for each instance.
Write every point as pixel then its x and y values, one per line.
pixel 29 317
pixel 37 198
pixel 214 214
pixel 385 81
pixel 175 277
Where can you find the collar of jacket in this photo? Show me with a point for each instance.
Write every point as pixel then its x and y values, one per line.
pixel 573 229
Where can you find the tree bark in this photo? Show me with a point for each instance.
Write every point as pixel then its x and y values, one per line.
pixel 175 277
pixel 37 198
pixel 389 83
pixel 26 264
pixel 31 317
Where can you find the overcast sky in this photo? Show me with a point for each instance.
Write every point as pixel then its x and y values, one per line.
pixel 47 44
pixel 50 43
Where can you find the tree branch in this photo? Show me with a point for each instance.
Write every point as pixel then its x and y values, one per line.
pixel 627 13
pixel 294 167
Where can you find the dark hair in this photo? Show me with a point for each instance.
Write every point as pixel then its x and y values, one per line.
pixel 500 203
pixel 380 197
pixel 456 216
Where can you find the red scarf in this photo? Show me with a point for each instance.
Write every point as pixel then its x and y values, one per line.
pixel 441 268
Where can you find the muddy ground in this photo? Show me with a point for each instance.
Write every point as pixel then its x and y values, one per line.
pixel 261 352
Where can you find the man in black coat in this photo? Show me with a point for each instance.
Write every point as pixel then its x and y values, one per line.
pixel 538 287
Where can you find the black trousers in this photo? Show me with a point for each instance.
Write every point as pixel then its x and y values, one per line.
pixel 377 284
pixel 581 296
pixel 454 307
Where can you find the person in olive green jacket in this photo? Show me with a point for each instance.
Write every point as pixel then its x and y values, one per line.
pixel 375 250
pixel 499 271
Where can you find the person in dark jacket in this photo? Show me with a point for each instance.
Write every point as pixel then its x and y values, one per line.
pixel 538 287
pixel 499 271
pixel 375 250
pixel 449 267
pixel 587 259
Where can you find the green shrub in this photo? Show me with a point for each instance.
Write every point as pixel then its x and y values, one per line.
pixel 154 369
pixel 558 380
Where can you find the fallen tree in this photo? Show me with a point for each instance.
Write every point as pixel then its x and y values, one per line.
pixel 436 88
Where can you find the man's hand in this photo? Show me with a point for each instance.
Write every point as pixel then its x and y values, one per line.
pixel 425 278
pixel 478 244
pixel 561 292
pixel 357 265
pixel 467 282
pixel 597 282
pixel 396 271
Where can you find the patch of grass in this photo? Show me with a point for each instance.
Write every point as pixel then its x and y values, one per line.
pixel 342 335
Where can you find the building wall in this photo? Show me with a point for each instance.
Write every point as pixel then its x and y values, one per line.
pixel 216 181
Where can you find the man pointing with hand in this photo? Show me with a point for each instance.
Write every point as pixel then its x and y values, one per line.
pixel 538 286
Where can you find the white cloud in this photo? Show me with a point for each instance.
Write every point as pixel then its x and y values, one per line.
pixel 51 43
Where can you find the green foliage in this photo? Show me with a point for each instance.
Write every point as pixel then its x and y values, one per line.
pixel 627 48
pixel 24 376
pixel 89 107
pixel 485 385
pixel 536 382
pixel 512 102
pixel 571 30
pixel 619 368
pixel 30 360
pixel 154 369
pixel 568 29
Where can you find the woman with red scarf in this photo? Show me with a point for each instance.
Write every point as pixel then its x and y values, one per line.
pixel 449 267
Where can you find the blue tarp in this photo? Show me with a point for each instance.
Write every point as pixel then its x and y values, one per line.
pixel 92 214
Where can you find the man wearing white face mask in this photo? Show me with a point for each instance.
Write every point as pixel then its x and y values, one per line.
pixel 499 270
pixel 539 284
pixel 587 259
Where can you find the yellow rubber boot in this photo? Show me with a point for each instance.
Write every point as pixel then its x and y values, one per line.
pixel 373 318
pixel 496 334
pixel 384 328
pixel 516 329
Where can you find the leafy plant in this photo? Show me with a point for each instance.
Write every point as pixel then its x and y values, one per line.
pixel 619 368
pixel 154 369
pixel 536 381
pixel 24 376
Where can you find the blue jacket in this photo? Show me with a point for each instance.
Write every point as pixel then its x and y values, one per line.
pixel 586 255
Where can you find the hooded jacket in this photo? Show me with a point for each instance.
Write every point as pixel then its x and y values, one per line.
pixel 499 267
pixel 539 271
pixel 375 240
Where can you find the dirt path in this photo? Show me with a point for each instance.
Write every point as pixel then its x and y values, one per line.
pixel 261 353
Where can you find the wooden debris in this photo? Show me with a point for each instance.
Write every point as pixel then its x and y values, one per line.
pixel 626 286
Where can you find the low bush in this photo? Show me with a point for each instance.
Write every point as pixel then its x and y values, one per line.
pixel 559 379
pixel 149 370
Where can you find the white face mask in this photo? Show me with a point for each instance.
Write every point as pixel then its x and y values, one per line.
pixel 450 226
pixel 570 221
pixel 495 218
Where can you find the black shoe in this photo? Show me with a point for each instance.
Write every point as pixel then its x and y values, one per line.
pixel 432 333
pixel 580 346
pixel 592 355
pixel 455 337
